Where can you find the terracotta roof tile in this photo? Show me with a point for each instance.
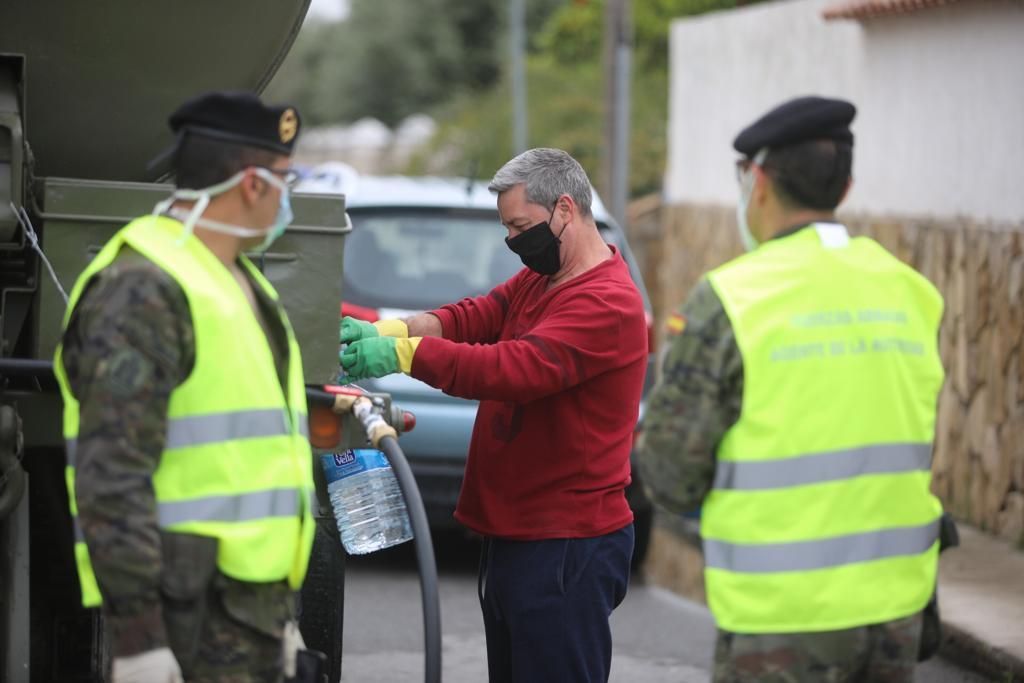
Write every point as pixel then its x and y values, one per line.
pixel 864 9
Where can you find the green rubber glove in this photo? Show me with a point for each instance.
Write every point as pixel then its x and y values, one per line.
pixel 372 357
pixel 353 329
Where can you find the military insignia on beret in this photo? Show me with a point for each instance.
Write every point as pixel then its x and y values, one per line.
pixel 288 126
pixel 676 323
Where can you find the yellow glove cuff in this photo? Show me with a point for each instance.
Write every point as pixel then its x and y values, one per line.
pixel 405 349
pixel 392 328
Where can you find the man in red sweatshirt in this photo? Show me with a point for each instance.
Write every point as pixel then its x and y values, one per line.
pixel 556 356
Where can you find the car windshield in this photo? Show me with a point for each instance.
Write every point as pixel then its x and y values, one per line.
pixel 422 259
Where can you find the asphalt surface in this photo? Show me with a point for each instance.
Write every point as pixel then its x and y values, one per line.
pixel 659 637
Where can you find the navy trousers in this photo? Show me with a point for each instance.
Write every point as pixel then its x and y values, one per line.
pixel 546 606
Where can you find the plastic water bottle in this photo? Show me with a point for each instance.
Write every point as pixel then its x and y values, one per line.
pixel 367 501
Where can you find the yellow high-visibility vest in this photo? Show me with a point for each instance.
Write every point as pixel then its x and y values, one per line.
pixel 237 464
pixel 821 516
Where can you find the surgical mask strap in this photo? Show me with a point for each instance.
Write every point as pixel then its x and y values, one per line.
pixel 747 186
pixel 210 224
pixel 284 212
pixel 202 200
pixel 272 179
pixel 747 181
pixel 194 216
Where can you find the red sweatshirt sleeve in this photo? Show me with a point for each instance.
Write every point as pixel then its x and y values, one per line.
pixel 578 338
pixel 477 320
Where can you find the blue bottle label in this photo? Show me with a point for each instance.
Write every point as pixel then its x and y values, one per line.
pixel 338 466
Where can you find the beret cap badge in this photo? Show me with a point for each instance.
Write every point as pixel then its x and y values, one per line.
pixel 237 117
pixel 288 126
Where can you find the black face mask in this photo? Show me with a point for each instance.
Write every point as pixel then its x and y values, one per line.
pixel 537 247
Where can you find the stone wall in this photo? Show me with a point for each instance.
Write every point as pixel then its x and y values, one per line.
pixel 978 464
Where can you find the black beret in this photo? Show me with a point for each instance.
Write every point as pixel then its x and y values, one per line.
pixel 805 118
pixel 238 117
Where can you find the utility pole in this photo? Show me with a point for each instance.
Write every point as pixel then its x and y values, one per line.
pixel 517 40
pixel 618 48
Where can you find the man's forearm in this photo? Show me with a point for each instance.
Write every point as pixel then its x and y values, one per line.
pixel 475 320
pixel 424 325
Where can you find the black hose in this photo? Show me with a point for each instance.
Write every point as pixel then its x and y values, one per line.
pixel 424 557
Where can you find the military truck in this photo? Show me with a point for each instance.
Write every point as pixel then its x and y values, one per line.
pixel 85 91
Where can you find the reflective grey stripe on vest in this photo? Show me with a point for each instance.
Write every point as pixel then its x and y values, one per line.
pixel 822 467
pixel 759 558
pixel 198 430
pixel 241 508
pixel 249 506
pixel 205 429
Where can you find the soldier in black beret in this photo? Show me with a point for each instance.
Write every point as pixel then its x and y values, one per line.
pixel 191 471
pixel 802 152
pixel 795 410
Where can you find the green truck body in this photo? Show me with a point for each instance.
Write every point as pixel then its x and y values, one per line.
pixel 85 91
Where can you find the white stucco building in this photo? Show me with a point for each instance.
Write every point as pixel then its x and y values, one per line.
pixel 938 181
pixel 939 87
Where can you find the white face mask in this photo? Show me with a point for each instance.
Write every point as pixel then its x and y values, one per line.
pixel 193 217
pixel 747 180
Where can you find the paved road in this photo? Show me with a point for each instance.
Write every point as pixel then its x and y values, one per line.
pixel 659 637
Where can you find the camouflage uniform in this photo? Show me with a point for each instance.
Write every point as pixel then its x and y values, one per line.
pixel 128 345
pixel 698 398
pixel 885 653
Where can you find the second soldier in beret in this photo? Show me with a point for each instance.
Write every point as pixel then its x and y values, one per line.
pixel 796 410
pixel 184 410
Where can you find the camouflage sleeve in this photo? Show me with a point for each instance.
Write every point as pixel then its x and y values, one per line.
pixel 129 344
pixel 697 398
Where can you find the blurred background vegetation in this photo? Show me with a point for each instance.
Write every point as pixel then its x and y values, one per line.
pixel 447 58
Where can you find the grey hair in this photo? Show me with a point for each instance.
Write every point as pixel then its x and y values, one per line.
pixel 548 174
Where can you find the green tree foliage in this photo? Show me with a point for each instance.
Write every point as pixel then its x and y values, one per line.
pixel 566 96
pixel 392 58
pixel 566 111
pixel 576 31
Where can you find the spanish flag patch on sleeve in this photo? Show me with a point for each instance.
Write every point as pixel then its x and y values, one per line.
pixel 676 324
